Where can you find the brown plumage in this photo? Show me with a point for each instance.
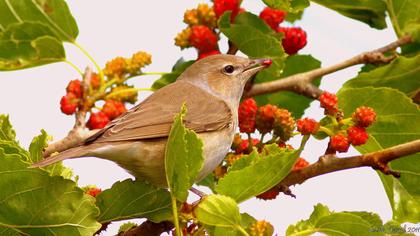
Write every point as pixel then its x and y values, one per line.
pixel 137 139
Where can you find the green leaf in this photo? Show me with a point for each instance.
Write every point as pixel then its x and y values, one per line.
pixel 402 74
pixel 37 146
pixel 397 122
pixel 183 157
pixel 293 102
pixel 262 174
pixel 179 67
pixel 53 14
pixel 255 40
pixel 134 199
pixel 35 155
pixel 288 5
pixel 371 12
pixel 24 45
pixel 322 220
pixel 34 203
pixel 246 222
pixel 208 181
pixel 405 17
pixel 6 129
pixel 12 147
pixel 220 211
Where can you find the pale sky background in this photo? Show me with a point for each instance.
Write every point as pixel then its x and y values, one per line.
pixel 120 28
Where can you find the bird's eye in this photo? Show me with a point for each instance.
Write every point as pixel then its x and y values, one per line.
pixel 229 69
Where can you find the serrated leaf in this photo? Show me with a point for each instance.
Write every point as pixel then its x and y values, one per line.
pixel 288 5
pixel 322 220
pixel 397 122
pixel 220 211
pixel 28 44
pixel 254 40
pixel 371 12
pixel 246 221
pixel 183 157
pixel 405 16
pixel 134 199
pixel 262 174
pixel 179 67
pixel 12 147
pixel 35 155
pixel 34 203
pixel 6 130
pixel 53 14
pixel 37 146
pixel 402 74
pixel 293 102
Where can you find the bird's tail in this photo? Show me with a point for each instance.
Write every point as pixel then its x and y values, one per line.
pixel 75 152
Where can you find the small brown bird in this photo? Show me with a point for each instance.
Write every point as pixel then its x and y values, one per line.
pixel 211 89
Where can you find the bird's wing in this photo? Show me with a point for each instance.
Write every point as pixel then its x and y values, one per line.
pixel 153 117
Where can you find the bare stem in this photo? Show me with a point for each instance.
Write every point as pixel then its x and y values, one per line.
pixel 302 83
pixel 330 163
pixel 79 131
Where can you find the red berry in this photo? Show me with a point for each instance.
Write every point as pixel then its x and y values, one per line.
pixel 294 39
pixel 284 145
pixel 301 163
pixel 69 103
pixel 329 102
pixel 75 87
pixel 247 112
pixel 244 146
pixel 364 116
pixel 206 54
pixel 339 143
pixel 307 126
pixel 272 17
pixel 203 38
pixel 94 192
pixel 221 6
pixel 97 120
pixel 269 194
pixel 265 118
pixel 95 81
pixel 113 109
pixel 357 135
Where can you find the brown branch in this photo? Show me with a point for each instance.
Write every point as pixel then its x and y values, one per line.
pixel 149 228
pixel 330 163
pixel 302 83
pixel 232 50
pixel 79 131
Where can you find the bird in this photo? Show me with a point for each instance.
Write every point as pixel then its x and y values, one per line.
pixel 211 88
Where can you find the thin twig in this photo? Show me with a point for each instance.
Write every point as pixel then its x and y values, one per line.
pixel 302 83
pixel 330 163
pixel 79 131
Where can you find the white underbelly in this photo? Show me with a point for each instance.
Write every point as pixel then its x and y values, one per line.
pixel 145 159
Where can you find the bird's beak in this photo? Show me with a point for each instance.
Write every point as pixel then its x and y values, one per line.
pixel 256 65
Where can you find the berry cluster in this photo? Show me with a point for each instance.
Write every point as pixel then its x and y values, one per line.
pixel 267 120
pixel 345 132
pixel 201 32
pixel 92 190
pixel 112 89
pixel 261 228
pixel 294 38
pixel 278 123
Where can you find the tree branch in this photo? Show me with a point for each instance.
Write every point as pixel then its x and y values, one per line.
pixel 302 83
pixel 79 131
pixel 149 228
pixel 330 163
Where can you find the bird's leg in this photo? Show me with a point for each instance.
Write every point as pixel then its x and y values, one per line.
pixel 197 192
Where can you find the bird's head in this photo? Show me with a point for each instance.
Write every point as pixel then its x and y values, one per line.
pixel 224 75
